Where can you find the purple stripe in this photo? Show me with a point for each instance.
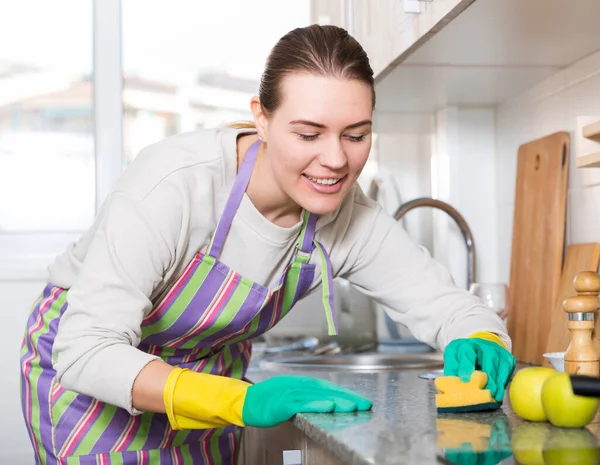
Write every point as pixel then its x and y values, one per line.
pixel 172 298
pixel 36 311
pixel 309 233
pixel 44 384
pixel 265 316
pixel 113 431
pixel 243 317
pixel 306 275
pixel 156 433
pixel 235 197
pixel 91 460
pixel 193 312
pixel 68 420
pixel 225 441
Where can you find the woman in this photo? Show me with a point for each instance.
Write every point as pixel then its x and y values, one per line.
pixel 137 349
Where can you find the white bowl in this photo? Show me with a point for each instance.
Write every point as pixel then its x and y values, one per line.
pixel 557 360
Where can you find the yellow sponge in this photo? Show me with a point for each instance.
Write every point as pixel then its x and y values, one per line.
pixel 457 396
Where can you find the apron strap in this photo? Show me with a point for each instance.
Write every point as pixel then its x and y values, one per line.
pixel 233 202
pixel 306 244
pixel 327 280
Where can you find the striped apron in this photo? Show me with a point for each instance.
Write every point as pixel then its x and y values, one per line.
pixel 204 321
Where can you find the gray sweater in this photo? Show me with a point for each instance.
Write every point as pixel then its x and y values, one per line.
pixel 163 210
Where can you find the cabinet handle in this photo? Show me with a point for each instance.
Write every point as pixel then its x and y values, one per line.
pixel 413 6
pixel 292 457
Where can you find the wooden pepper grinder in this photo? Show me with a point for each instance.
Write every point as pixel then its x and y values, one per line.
pixel 581 357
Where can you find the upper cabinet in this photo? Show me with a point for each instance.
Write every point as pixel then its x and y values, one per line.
pixel 429 54
pixel 389 30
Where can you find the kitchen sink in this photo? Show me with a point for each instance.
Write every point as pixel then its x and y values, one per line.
pixel 357 362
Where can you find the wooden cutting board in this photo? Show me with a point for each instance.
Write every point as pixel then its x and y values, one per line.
pixel 537 242
pixel 579 257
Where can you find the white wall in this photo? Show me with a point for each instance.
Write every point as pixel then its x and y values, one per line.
pixel 553 105
pixel 463 176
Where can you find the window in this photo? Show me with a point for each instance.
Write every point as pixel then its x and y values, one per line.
pixel 189 64
pixel 46 125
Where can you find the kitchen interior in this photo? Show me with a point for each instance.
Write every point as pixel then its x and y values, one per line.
pixel 486 148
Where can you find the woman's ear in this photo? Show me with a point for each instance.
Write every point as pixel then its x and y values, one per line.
pixel 260 119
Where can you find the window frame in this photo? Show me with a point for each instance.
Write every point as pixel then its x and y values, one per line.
pixel 25 255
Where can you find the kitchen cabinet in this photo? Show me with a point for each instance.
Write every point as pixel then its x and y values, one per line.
pixel 430 54
pixel 389 30
pixel 267 446
pixel 486 53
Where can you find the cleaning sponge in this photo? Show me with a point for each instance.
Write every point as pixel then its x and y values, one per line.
pixel 457 396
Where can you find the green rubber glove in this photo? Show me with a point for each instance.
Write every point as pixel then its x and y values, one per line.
pixel 463 356
pixel 278 399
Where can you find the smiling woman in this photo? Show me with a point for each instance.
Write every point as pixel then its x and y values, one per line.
pixel 138 347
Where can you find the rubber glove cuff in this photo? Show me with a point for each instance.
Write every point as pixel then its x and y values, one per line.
pixel 203 401
pixel 489 337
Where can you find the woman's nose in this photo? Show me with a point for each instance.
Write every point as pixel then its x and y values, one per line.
pixel 333 156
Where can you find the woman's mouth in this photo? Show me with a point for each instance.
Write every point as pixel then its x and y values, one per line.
pixel 324 185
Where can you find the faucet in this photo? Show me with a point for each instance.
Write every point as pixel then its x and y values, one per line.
pixel 460 221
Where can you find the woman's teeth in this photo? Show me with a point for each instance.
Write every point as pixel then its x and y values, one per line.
pixel 327 182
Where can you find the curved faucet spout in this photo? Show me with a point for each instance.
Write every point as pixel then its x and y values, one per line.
pixel 460 221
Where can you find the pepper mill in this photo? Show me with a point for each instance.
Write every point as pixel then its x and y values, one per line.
pixel 581 357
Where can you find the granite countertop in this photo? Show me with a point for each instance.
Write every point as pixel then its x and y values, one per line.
pixel 404 427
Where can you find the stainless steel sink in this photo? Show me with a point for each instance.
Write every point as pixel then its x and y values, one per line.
pixel 357 362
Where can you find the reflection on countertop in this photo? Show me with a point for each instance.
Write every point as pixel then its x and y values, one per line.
pixel 404 427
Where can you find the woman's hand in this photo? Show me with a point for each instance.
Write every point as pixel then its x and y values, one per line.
pixel 202 401
pixel 463 356
pixel 275 400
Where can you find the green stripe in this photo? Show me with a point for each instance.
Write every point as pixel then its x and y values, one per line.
pixel 183 300
pixel 34 375
pixel 326 291
pixel 141 434
pixel 291 284
pixel 237 367
pixel 251 330
pixel 95 431
pixel 214 445
pixel 303 231
pixel 236 300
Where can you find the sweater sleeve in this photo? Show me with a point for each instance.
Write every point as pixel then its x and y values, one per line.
pixel 95 350
pixel 416 289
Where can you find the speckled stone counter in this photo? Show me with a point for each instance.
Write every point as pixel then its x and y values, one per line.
pixel 404 427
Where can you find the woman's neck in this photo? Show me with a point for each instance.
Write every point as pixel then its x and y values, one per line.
pixel 263 191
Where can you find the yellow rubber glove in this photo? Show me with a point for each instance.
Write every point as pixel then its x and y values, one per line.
pixel 490 337
pixel 202 401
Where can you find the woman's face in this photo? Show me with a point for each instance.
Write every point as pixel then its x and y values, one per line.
pixel 318 140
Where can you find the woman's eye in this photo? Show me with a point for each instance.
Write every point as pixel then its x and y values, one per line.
pixel 307 136
pixel 356 138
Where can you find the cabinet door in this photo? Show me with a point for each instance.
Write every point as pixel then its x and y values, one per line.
pixel 389 34
pixel 266 446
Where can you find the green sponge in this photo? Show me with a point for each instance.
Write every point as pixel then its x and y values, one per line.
pixel 457 396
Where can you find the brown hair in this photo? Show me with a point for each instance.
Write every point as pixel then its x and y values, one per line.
pixel 319 50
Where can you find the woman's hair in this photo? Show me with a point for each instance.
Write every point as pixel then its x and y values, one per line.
pixel 319 50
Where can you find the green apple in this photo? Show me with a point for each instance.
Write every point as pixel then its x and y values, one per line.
pixel 525 392
pixel 564 408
